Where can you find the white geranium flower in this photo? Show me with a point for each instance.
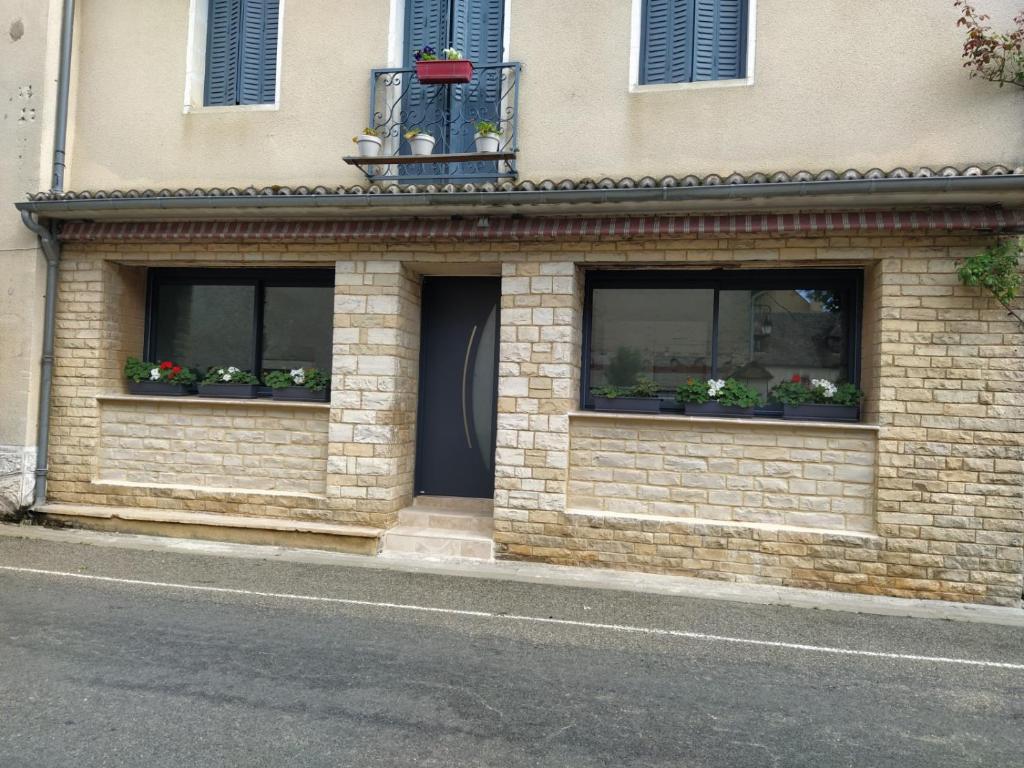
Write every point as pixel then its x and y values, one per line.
pixel 154 374
pixel 232 369
pixel 226 377
pixel 827 387
pixel 298 375
pixel 714 387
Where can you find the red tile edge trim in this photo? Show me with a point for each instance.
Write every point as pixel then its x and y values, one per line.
pixel 543 228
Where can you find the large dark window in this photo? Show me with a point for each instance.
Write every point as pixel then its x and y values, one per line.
pixel 255 319
pixel 761 327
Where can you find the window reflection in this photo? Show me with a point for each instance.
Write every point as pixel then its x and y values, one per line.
pixel 662 334
pixel 297 326
pixel 205 325
pixel 765 337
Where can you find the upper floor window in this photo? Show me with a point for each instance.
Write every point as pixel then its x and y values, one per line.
pixel 241 52
pixel 685 41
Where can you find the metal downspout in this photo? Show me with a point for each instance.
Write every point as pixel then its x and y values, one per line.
pixel 51 249
pixel 60 130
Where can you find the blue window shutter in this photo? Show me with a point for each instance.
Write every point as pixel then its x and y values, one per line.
pixel 426 23
pixel 719 50
pixel 478 31
pixel 666 49
pixel 222 52
pixel 257 70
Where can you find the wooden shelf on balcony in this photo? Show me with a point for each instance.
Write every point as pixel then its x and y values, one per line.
pixel 458 157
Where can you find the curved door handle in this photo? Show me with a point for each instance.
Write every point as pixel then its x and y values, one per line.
pixel 465 388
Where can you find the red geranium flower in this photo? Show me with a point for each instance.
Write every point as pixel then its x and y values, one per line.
pixel 166 365
pixel 796 378
pixel 175 370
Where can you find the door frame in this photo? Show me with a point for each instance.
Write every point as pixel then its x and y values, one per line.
pixel 397 43
pixel 420 389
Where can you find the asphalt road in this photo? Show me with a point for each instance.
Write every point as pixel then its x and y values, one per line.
pixel 112 673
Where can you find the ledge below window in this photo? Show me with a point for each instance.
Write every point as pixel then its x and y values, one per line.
pixel 756 423
pixel 258 402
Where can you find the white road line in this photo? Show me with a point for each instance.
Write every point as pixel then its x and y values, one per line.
pixel 653 631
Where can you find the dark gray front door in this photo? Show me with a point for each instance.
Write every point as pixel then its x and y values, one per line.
pixel 458 386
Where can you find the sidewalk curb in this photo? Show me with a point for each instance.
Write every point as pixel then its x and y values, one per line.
pixel 554 575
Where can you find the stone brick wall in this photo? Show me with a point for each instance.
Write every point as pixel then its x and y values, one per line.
pixel 951 481
pixel 943 369
pixel 212 445
pixel 99 323
pixel 809 476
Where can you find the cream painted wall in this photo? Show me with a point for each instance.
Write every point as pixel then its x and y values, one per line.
pixel 28 32
pixel 837 84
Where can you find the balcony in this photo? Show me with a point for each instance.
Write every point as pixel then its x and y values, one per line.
pixel 449 113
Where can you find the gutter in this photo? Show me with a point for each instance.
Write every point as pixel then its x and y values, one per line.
pixel 182 201
pixel 50 244
pixel 51 249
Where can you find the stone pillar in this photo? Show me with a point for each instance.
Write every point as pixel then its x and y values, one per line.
pixel 374 389
pixel 538 384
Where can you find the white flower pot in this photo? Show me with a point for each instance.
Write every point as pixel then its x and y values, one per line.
pixel 368 146
pixel 422 144
pixel 487 142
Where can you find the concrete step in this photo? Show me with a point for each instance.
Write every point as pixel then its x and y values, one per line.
pixel 274 531
pixel 454 504
pixel 405 540
pixel 446 520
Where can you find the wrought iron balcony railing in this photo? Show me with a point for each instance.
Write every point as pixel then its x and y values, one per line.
pixel 399 102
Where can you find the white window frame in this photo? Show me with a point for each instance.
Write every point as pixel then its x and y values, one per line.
pixel 195 64
pixel 636 35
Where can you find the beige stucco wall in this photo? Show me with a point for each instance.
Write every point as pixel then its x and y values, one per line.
pixel 28 29
pixel 836 85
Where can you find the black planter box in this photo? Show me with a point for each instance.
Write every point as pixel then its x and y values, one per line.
pixel 159 389
pixel 715 409
pixel 820 412
pixel 628 404
pixel 302 394
pixel 236 391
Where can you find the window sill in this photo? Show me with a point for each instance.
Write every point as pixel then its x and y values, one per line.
pixel 702 85
pixel 754 422
pixel 193 109
pixel 256 402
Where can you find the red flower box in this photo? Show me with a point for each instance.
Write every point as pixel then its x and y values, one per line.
pixel 442 71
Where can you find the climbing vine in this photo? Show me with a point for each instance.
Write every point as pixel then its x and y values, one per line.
pixel 996 270
pixel 994 56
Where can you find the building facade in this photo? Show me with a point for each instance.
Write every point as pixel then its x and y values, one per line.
pixel 681 192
